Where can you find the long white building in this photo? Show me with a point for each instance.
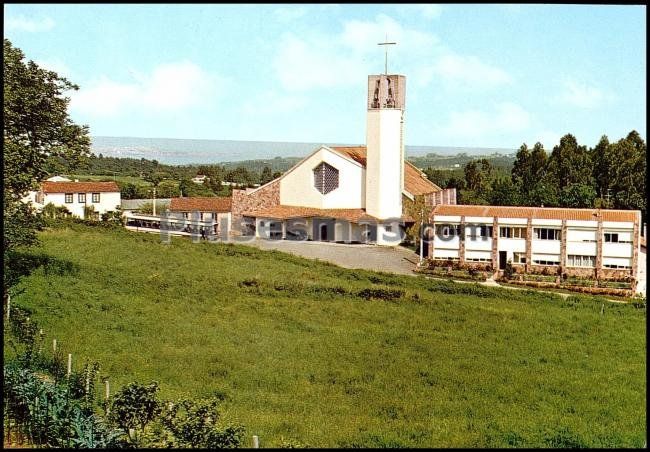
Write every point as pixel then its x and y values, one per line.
pixel 594 243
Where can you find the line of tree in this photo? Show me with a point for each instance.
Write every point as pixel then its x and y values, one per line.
pixel 609 175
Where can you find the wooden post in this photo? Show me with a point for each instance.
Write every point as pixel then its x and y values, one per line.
pixel 256 442
pixel 69 364
pixel 8 305
pixel 53 345
pixel 108 390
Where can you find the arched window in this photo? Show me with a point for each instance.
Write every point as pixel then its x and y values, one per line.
pixel 326 178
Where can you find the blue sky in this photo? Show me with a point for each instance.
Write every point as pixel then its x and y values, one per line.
pixel 477 75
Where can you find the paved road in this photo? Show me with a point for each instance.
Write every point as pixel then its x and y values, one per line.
pixel 370 257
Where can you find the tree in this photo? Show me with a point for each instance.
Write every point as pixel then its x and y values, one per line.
pixel 266 176
pixel 628 168
pixel 505 193
pixel 418 210
pixel 601 164
pixel 570 163
pixel 36 129
pixel 528 170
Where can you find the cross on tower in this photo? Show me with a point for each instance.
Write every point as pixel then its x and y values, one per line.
pixel 386 48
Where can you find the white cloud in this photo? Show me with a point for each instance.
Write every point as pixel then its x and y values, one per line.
pixel 581 95
pixel 506 118
pixel 469 70
pixel 170 87
pixel 305 64
pixel 22 23
pixel 55 65
pixel 317 60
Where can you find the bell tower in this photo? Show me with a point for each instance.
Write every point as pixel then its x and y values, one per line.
pixel 385 145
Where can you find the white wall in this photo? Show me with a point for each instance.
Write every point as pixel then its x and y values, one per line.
pixel 478 244
pixel 617 249
pixel 384 166
pixel 512 245
pixel 108 202
pixel 584 249
pixel 546 246
pixel 297 187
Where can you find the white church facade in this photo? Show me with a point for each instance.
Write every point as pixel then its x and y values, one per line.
pixel 345 194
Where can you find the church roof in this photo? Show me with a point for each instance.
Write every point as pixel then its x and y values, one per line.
pixel 415 181
pixel 202 204
pixel 282 212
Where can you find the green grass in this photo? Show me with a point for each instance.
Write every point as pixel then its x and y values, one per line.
pixel 310 352
pixel 125 179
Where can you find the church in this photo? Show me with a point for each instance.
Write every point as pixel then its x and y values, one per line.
pixel 345 194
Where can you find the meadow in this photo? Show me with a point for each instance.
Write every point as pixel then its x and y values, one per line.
pixel 309 353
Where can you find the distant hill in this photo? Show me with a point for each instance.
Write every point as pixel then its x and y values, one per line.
pixel 183 152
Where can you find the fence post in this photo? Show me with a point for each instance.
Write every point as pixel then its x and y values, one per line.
pixel 69 364
pixel 54 346
pixel 108 392
pixel 8 305
pixel 256 442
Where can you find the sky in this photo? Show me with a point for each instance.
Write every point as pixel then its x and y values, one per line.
pixel 476 75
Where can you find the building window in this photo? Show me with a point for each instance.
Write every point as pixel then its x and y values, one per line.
pixel 478 259
pixel 186 215
pixel 617 266
pixel 510 232
pixel 82 197
pixel 546 234
pixel 447 230
pixel 580 261
pixel 68 197
pixel 326 178
pixel 519 258
pixel 388 228
pixel 482 230
pixel 611 237
pixel 95 197
pixel 545 262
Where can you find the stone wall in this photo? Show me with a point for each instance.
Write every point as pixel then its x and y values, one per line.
pixel 267 196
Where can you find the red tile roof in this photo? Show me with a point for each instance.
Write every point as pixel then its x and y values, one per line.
pixel 214 204
pixel 282 212
pixel 79 187
pixel 546 213
pixel 415 181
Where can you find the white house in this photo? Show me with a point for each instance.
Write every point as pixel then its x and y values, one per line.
pixel 75 196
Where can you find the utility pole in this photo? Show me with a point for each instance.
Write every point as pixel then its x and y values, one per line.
pixel 421 235
pixel 154 201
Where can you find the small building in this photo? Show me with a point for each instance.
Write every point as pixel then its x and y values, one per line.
pixel 205 209
pixel 593 243
pixel 199 179
pixel 77 196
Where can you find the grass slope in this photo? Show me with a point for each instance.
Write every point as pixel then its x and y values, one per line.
pixel 305 351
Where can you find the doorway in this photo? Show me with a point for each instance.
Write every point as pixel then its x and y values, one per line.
pixel 503 258
pixel 323 232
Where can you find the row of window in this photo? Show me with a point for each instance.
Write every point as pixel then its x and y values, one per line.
pixel 203 215
pixel 512 232
pixel 573 260
pixel 81 197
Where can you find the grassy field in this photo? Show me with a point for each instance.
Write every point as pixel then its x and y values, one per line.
pixel 125 179
pixel 309 352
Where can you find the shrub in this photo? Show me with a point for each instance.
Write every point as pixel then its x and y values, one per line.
pixel 509 271
pixel 380 294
